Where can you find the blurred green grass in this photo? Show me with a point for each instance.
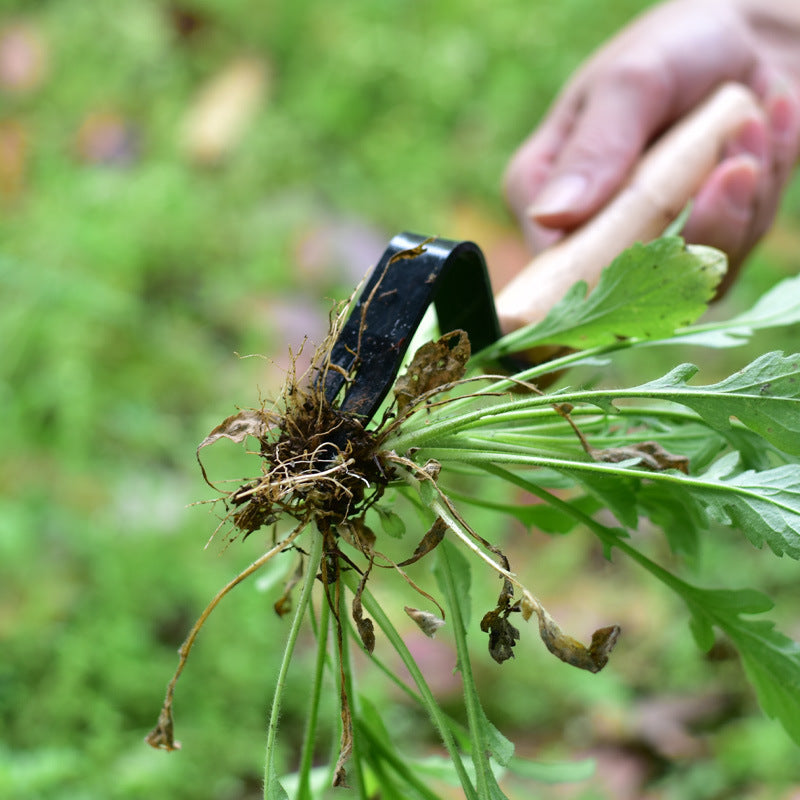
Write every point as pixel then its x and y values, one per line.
pixel 127 288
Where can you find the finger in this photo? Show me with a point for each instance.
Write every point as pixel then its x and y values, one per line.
pixel 620 116
pixel 730 212
pixel 531 165
pixel 725 206
pixel 782 107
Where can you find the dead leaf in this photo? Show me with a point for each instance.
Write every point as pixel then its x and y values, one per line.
pixel 162 737
pixel 429 541
pixel 251 422
pixel 502 634
pixel 435 364
pixel 428 623
pixel 357 534
pixel 652 456
pixel 223 111
pixel 283 605
pixel 366 630
pixel 571 651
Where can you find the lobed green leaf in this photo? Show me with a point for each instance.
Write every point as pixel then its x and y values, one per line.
pixel 647 292
pixel 764 396
pixel 764 504
pixel 780 306
pixel 771 659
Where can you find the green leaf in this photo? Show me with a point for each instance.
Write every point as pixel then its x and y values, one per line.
pixel 532 515
pixel 391 522
pixel 780 306
pixel 764 396
pixel 765 504
pixel 543 772
pixel 771 660
pixel 677 512
pixel 460 574
pixel 646 293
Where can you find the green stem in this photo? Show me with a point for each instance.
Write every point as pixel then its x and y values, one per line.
pixel 475 716
pixel 396 763
pixel 429 701
pixel 355 770
pixel 272 788
pixel 309 737
pixel 605 534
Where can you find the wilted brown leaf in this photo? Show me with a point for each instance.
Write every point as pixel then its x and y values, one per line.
pixel 651 455
pixel 434 365
pixel 571 651
pixel 429 541
pixel 366 630
pixel 357 534
pixel 428 623
pixel 283 605
pixel 502 634
pixel 251 422
pixel 161 737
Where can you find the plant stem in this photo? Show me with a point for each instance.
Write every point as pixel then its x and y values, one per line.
pixel 272 788
pixel 309 737
pixel 475 714
pixel 426 695
pixel 346 671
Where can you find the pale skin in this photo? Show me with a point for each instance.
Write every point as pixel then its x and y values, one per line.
pixel 644 80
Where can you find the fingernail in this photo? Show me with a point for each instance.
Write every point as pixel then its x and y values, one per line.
pixel 560 196
pixel 781 116
pixel 751 139
pixel 740 188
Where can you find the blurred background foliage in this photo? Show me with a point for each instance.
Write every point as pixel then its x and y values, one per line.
pixel 184 183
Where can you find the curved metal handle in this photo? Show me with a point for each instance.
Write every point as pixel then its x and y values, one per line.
pixel 413 272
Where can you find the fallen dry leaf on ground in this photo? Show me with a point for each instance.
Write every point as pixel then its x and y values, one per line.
pixel 223 111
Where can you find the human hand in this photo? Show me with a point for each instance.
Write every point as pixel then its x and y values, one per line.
pixel 641 82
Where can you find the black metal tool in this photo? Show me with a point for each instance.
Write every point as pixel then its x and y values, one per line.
pixel 413 272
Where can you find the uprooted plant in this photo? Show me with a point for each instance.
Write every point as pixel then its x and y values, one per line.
pixel 683 455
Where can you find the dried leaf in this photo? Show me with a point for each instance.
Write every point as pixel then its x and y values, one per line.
pixel 434 365
pixel 283 604
pixel 162 737
pixel 502 634
pixel 250 422
pixel 357 534
pixel 366 630
pixel 429 541
pixel 428 623
pixel 224 109
pixel 345 742
pixel 571 651
pixel 651 455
